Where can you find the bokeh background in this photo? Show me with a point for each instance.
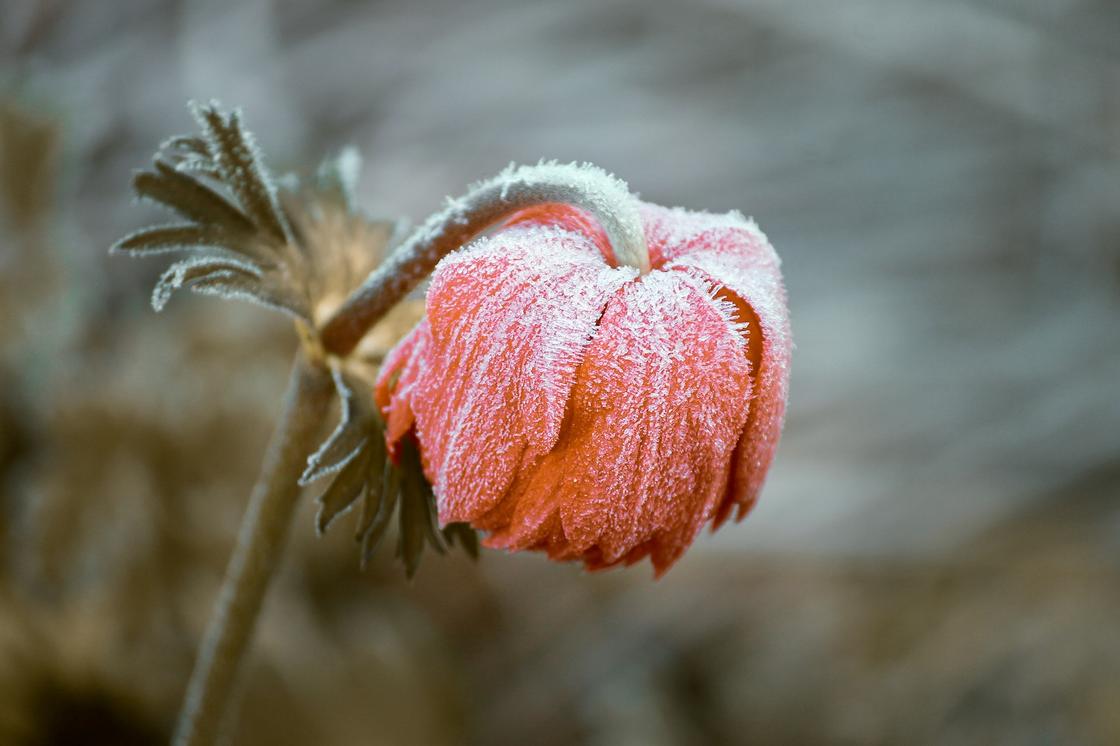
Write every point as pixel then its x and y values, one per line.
pixel 936 558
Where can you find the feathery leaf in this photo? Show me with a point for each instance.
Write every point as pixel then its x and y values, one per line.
pixel 239 162
pixel 188 270
pixel 185 144
pixel 163 239
pixel 234 285
pixel 189 197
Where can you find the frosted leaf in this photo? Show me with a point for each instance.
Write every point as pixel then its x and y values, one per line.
pixel 417 513
pixel 354 457
pixel 189 197
pixel 237 286
pixel 186 145
pixel 188 270
pixel 228 278
pixel 353 433
pixel 354 454
pixel 239 161
pixel 164 239
pixel 308 247
pixel 348 485
pixel 198 165
pixel 463 535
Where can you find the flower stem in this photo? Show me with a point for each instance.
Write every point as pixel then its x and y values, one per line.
pixel 604 196
pixel 260 545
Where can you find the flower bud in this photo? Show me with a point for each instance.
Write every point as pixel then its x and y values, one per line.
pixel 566 404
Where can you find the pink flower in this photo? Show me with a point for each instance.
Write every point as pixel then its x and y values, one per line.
pixel 566 404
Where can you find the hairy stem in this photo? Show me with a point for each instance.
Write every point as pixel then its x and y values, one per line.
pixel 260 544
pixel 604 196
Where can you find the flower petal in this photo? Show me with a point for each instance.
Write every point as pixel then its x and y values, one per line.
pixel 673 232
pixel 396 383
pixel 560 215
pixel 510 318
pixel 732 253
pixel 644 456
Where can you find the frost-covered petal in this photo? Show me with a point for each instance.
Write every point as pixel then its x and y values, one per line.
pixel 396 383
pixel 733 254
pixel 567 217
pixel 510 318
pixel 674 232
pixel 655 414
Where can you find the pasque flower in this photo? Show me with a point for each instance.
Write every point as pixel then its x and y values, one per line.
pixel 566 404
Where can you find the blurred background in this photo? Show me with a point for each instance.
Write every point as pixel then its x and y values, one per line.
pixel 936 558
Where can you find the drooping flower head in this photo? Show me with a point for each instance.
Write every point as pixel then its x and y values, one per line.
pixel 567 404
